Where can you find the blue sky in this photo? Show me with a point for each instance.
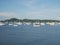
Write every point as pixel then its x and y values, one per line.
pixel 30 9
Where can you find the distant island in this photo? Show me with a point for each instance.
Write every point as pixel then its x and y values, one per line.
pixel 28 20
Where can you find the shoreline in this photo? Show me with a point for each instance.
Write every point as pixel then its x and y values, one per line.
pixel 28 20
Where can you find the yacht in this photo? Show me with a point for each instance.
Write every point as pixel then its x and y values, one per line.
pixel 1 24
pixel 42 23
pixel 58 23
pixel 10 24
pixel 51 23
pixel 27 23
pixel 19 23
pixel 15 25
pixel 36 24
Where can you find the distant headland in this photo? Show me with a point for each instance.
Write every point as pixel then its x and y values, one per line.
pixel 28 20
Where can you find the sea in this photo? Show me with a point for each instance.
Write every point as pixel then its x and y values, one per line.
pixel 30 35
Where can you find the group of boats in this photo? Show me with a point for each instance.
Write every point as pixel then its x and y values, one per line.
pixel 35 24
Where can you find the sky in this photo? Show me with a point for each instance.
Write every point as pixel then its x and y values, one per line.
pixel 30 9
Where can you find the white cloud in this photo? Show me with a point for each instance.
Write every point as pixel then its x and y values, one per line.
pixel 41 13
pixel 45 13
pixel 7 14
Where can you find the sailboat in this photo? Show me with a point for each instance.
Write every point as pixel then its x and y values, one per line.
pixel 1 24
pixel 36 24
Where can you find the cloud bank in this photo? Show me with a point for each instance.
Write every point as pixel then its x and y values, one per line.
pixel 42 13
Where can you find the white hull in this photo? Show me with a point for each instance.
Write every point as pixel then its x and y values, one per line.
pixel 15 25
pixel 27 23
pixel 42 23
pixel 36 24
pixel 58 23
pixel 52 23
pixel 10 24
pixel 1 24
pixel 19 23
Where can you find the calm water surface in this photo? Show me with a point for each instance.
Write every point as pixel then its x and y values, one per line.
pixel 29 35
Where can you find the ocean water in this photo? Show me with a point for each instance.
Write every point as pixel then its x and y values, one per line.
pixel 29 35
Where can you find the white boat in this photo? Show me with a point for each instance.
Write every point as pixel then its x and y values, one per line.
pixel 42 23
pixel 36 24
pixel 1 24
pixel 19 23
pixel 58 23
pixel 27 23
pixel 10 24
pixel 50 23
pixel 15 25
pixel 47 22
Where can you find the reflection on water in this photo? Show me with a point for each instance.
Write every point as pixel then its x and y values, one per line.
pixel 29 35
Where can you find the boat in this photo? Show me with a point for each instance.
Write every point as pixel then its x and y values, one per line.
pixel 27 23
pixel 42 23
pixel 10 24
pixel 58 23
pixel 15 25
pixel 1 24
pixel 50 23
pixel 19 23
pixel 36 24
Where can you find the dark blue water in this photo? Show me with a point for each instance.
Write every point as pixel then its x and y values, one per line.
pixel 29 35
